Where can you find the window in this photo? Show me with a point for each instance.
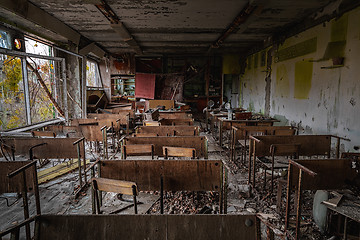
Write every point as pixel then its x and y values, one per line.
pixel 26 100
pixel 5 39
pixel 41 107
pixel 12 98
pixel 92 74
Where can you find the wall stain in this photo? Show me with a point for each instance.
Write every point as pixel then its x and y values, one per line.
pixel 352 102
pixel 303 77
pixel 282 87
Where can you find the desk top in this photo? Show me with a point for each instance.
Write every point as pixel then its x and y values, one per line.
pixel 348 208
pixel 223 119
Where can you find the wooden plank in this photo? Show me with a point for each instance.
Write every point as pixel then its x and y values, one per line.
pixel 188 122
pixel 90 132
pixel 179 151
pixel 175 115
pixel 14 184
pixel 169 104
pixel 178 175
pixel 97 122
pixel 43 134
pixel 116 186
pixel 170 130
pixel 270 130
pixel 114 117
pixel 145 135
pixel 331 174
pixel 54 148
pixel 135 227
pixel 197 142
pixel 310 145
pixel 138 148
pixel 59 170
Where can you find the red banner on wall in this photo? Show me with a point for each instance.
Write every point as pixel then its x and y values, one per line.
pixel 145 85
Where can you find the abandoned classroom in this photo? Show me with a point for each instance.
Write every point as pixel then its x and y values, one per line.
pixel 180 119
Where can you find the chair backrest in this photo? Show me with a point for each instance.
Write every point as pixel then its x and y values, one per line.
pixel 138 149
pixel 113 185
pixel 43 134
pixel 178 152
pixel 284 149
pixel 116 186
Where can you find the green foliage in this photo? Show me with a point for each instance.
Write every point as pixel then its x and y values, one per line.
pixel 13 75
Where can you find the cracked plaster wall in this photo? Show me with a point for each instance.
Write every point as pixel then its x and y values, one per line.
pixel 320 101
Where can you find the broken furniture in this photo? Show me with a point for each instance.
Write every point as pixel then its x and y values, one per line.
pixel 214 117
pixel 241 135
pixel 197 142
pixel 226 124
pixel 169 175
pixel 43 134
pixel 169 130
pixel 95 99
pixel 115 121
pixel 52 148
pixel 135 227
pixel 316 174
pixel 16 177
pixel 179 152
pixel 175 122
pixel 137 150
pixel 167 104
pixel 347 207
pixel 116 186
pixel 310 146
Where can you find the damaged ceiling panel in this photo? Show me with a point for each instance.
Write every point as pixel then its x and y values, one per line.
pixel 179 27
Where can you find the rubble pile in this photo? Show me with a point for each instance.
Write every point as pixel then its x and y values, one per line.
pixel 183 202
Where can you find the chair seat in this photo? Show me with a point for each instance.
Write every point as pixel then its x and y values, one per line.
pixel 280 162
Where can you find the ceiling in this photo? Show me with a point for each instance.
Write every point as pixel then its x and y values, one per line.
pixel 178 27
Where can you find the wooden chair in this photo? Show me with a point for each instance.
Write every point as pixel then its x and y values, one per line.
pixel 116 186
pixel 289 150
pixel 43 134
pixel 244 143
pixel 178 152
pixel 138 150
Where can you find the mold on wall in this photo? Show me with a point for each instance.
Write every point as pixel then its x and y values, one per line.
pixel 308 90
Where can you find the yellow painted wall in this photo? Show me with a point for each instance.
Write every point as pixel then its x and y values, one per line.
pixel 231 64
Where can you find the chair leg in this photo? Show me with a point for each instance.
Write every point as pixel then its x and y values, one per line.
pixel 272 176
pixel 264 187
pixel 135 201
pixel 97 201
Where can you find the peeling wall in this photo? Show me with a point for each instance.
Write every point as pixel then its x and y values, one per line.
pixel 253 84
pixel 308 90
pixel 73 84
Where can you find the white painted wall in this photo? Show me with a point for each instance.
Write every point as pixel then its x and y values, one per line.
pixel 333 103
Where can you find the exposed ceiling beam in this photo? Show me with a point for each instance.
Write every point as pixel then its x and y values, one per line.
pixel 239 19
pixel 38 16
pixel 118 26
pixel 92 48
